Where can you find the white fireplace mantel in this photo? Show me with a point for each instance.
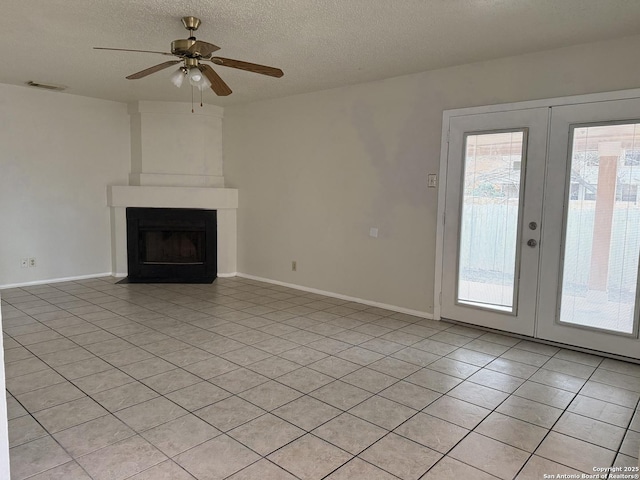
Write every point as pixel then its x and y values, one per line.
pixel 224 200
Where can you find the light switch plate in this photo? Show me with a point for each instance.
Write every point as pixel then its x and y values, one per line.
pixel 432 180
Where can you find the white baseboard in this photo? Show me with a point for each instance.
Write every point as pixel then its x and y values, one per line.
pixel 394 308
pixel 228 275
pixel 55 280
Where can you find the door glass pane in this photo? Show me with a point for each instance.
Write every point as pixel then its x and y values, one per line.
pixel 487 267
pixel 602 240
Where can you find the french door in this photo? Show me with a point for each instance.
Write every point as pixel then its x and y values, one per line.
pixel 589 264
pixel 541 231
pixel 495 175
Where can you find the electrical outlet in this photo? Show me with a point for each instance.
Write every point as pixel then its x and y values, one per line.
pixel 24 262
pixel 32 261
pixel 294 266
pixel 373 232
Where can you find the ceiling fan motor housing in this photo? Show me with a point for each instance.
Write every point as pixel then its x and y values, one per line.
pixel 181 47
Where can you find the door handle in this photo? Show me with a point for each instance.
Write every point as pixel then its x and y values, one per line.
pixel 532 243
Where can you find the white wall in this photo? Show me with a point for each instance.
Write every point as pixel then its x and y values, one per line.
pixel 170 145
pixel 58 153
pixel 316 171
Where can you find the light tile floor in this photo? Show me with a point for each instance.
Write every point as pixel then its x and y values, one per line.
pixel 245 381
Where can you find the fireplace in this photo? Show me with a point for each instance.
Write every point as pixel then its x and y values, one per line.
pixel 171 245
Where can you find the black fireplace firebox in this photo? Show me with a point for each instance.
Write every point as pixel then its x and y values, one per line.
pixel 171 245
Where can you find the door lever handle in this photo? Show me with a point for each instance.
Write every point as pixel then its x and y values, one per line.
pixel 532 243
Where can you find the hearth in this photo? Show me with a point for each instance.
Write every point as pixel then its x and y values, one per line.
pixel 171 245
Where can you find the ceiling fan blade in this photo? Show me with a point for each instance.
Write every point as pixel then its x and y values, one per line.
pixel 129 50
pixel 249 67
pixel 217 84
pixel 154 69
pixel 203 49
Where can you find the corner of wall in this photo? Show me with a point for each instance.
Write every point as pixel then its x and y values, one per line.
pixel 135 120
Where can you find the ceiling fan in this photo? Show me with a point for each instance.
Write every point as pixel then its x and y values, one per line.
pixel 191 53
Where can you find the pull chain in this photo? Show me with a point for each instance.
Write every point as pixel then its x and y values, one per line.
pixel 192 111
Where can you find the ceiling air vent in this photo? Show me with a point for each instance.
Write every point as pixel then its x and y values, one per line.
pixel 57 88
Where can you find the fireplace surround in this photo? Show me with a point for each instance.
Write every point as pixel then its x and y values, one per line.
pixel 223 200
pixel 171 245
pixel 176 162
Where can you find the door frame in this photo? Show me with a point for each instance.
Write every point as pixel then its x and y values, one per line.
pixel 447 115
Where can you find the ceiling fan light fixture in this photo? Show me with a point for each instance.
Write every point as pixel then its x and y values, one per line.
pixel 204 84
pixel 195 76
pixel 178 77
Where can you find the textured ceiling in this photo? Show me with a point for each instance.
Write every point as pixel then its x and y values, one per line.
pixel 319 44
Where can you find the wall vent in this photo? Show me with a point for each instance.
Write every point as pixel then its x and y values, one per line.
pixel 57 88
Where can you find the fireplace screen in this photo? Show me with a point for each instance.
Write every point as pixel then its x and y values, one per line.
pixel 171 245
pixel 162 247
